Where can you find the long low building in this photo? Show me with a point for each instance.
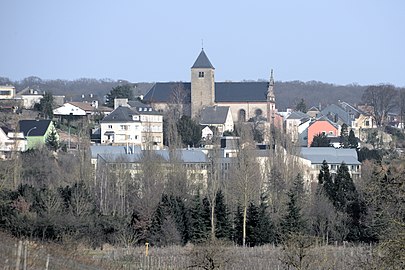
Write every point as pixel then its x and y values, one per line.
pixel 313 157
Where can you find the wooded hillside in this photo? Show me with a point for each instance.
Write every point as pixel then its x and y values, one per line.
pixel 288 94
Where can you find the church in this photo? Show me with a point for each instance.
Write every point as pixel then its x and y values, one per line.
pixel 246 100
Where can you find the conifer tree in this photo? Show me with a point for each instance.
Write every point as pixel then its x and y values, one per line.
pixel 344 136
pixel 52 140
pixel 222 223
pixel 293 222
pixel 238 221
pixel 265 225
pixel 198 227
pixel 352 140
pixel 325 181
pixel 252 225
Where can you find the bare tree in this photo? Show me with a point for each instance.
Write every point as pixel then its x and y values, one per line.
pixel 383 99
pixel 246 176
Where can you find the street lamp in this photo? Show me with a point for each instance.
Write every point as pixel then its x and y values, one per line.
pixel 31 129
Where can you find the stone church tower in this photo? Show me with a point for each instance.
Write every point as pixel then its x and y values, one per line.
pixel 202 84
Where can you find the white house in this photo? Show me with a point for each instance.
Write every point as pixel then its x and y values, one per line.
pixel 11 142
pixel 217 116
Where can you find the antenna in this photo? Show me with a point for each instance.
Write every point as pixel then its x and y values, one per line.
pixel 202 44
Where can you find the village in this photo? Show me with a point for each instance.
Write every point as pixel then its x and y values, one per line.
pixel 183 162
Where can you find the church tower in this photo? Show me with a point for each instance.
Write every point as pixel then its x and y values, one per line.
pixel 271 99
pixel 202 84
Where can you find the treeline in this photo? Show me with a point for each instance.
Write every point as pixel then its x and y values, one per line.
pixel 288 94
pixel 56 201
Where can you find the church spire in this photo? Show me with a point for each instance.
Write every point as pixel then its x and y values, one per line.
pixel 270 90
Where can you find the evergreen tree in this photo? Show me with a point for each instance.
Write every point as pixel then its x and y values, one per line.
pixel 320 140
pixel 252 225
pixel 344 136
pixel 293 222
pixel 207 213
pixel 325 181
pixel 198 226
pixel 265 226
pixel 238 223
pixel 120 91
pixel 189 130
pixel 301 106
pixel 46 105
pixel 52 140
pixel 352 140
pixel 222 223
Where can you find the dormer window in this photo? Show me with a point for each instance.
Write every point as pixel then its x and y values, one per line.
pixel 201 74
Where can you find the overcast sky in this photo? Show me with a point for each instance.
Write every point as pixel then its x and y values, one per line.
pixel 335 41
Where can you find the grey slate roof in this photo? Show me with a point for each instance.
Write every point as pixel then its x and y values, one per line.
pixel 298 115
pixel 164 92
pixel 202 61
pixel 334 111
pixel 240 91
pixel 214 115
pixel 134 154
pixel 332 155
pixel 224 92
pixel 121 114
pixel 137 104
pixel 37 127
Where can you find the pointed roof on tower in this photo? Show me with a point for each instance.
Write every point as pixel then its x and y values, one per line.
pixel 270 89
pixel 202 61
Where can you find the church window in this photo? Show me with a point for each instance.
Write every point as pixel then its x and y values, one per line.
pixel 201 74
pixel 258 112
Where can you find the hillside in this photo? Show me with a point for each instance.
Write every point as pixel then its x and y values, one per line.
pixel 287 93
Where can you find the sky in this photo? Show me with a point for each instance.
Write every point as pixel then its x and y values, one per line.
pixel 335 41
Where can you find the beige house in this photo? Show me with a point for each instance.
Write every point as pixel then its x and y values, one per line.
pixel 7 92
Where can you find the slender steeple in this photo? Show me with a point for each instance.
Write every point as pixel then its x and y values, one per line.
pixel 270 90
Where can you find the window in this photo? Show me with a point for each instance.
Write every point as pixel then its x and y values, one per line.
pixel 110 126
pixel 201 74
pixel 124 127
pixel 367 123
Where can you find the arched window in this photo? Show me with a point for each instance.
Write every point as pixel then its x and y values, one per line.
pixel 242 115
pixel 258 112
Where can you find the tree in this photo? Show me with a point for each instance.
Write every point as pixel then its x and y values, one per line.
pixel 344 136
pixel 189 130
pixel 293 222
pixel 352 140
pixel 198 224
pixel 246 176
pixel 52 140
pixel 120 91
pixel 46 106
pixel 320 140
pixel 382 98
pixel 325 181
pixel 301 106
pixel 252 232
pixel 223 224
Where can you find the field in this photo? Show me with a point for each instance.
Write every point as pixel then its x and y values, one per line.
pixel 35 255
